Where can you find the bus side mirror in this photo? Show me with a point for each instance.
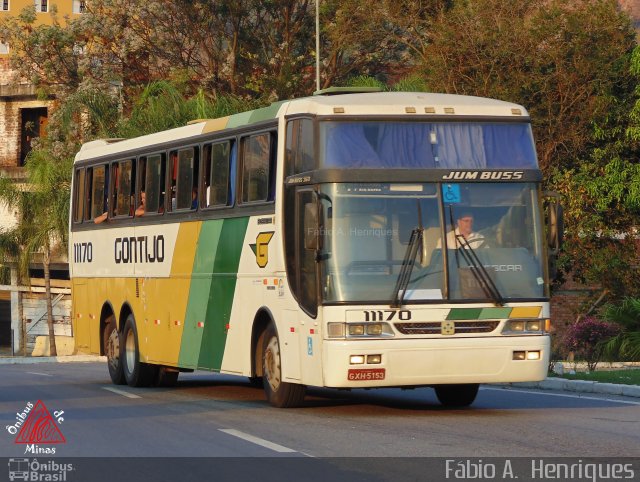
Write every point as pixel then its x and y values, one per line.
pixel 555 230
pixel 555 226
pixel 311 227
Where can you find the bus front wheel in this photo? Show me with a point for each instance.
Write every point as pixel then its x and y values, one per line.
pixel 136 373
pixel 457 395
pixel 280 394
pixel 111 340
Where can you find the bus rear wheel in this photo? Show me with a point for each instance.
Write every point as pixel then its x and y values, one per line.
pixel 136 373
pixel 111 341
pixel 457 395
pixel 280 394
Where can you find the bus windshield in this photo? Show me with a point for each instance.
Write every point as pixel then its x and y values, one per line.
pixel 425 145
pixel 491 228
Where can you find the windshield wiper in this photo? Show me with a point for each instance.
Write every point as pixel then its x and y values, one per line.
pixel 477 268
pixel 408 263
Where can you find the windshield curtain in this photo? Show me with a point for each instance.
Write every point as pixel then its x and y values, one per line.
pixel 366 232
pixel 451 145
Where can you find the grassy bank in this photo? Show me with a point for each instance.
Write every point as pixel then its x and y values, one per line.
pixel 629 376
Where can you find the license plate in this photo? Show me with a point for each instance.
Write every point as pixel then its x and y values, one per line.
pixel 365 374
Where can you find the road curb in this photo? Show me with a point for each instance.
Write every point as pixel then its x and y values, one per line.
pixel 580 386
pixel 20 360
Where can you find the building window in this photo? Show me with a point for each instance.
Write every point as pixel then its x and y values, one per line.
pixel 4 5
pixel 4 48
pixel 79 6
pixel 41 5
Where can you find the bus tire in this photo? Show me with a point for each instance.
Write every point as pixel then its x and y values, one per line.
pixel 280 394
pixel 457 395
pixel 111 346
pixel 136 373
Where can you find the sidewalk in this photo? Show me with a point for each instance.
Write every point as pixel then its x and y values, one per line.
pixel 28 360
pixel 580 386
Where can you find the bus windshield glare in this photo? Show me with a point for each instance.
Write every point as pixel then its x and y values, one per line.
pixel 367 227
pixel 425 145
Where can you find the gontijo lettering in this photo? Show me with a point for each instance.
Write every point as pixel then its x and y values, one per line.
pixel 141 249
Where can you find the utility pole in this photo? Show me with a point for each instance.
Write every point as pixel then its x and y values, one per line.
pixel 317 44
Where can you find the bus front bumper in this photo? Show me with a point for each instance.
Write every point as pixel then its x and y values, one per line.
pixel 416 362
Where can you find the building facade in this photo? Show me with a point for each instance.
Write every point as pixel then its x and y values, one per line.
pixel 23 117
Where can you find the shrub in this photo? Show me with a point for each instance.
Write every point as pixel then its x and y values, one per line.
pixel 586 338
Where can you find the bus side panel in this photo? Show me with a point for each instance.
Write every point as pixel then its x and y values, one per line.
pixel 222 291
pixel 80 316
pixel 164 302
pixel 199 293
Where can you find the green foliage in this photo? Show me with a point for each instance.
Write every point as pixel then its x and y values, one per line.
pixel 162 106
pixel 626 345
pixel 412 83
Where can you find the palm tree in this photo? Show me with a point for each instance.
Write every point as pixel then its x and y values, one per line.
pixel 625 346
pixel 13 244
pixel 49 215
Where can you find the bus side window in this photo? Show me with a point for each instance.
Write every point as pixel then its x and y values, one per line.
pixel 88 185
pixel 184 181
pixel 300 149
pixel 123 188
pixel 216 174
pixel 99 193
pixel 256 156
pixel 154 183
pixel 79 196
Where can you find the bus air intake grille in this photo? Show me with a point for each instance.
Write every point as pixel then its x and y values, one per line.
pixel 435 327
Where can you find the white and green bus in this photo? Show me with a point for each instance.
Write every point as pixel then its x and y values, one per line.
pixel 346 240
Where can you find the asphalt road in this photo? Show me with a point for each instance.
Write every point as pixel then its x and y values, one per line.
pixel 210 415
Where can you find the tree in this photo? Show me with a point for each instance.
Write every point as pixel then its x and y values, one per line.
pixel 570 64
pixel 626 345
pixel 42 218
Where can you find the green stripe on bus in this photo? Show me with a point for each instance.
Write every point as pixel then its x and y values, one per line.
pixel 494 313
pixel 239 120
pixel 221 291
pixel 464 314
pixel 266 113
pixel 199 293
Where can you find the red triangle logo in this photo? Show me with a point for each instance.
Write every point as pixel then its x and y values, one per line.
pixel 40 428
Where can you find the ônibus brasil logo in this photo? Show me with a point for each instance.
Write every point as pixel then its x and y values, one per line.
pixel 35 425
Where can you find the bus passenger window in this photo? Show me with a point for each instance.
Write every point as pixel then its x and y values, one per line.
pixel 216 175
pixel 255 167
pixel 78 197
pixel 124 183
pixel 151 185
pixel 184 188
pixel 99 194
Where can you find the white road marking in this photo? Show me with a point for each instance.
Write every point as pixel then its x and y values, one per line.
pixel 121 392
pixel 256 440
pixel 565 395
pixel 40 374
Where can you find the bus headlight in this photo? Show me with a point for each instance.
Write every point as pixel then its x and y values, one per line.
pixel 535 325
pixel 359 330
pixel 374 329
pixel 335 330
pixel 526 327
pixel 356 330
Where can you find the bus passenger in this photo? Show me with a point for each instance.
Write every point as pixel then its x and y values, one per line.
pixel 142 206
